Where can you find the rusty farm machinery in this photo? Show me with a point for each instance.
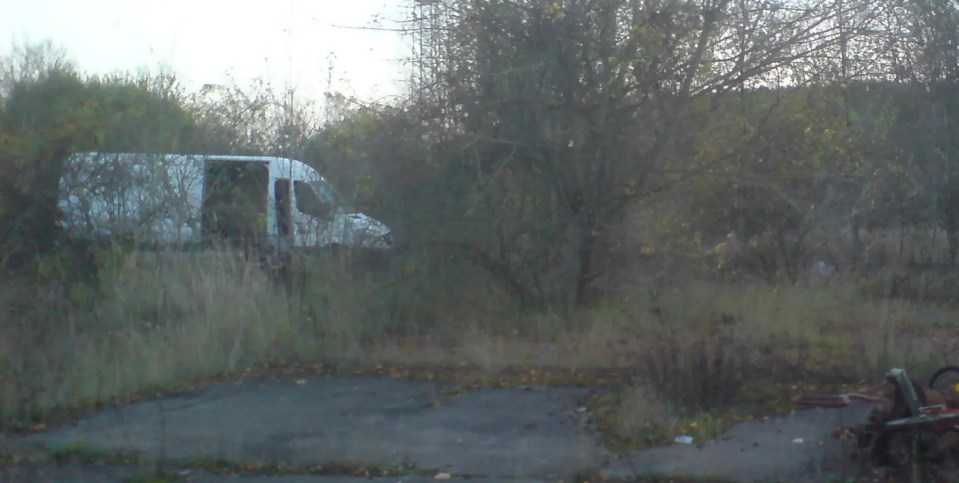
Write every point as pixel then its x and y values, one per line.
pixel 908 423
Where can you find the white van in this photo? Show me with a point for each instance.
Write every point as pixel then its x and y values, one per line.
pixel 184 200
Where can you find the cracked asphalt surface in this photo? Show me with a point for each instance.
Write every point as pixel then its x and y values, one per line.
pixel 530 433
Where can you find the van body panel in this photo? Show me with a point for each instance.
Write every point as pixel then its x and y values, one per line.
pixel 159 199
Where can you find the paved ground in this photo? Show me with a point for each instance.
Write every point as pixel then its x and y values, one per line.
pixel 522 433
pixel 357 421
pixel 113 474
pixel 795 448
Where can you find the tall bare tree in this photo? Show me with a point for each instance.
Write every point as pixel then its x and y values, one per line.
pixel 571 110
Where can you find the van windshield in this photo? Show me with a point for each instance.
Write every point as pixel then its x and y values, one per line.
pixel 307 200
pixel 325 192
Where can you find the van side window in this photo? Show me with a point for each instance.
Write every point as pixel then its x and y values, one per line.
pixel 307 201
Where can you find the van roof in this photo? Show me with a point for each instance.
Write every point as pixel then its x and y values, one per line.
pixel 213 157
pixel 275 162
pixel 227 157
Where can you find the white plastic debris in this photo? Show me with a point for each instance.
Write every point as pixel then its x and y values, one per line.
pixel 799 441
pixel 683 439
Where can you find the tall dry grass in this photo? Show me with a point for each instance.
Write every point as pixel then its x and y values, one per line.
pixel 810 326
pixel 161 319
pixel 705 351
pixel 156 320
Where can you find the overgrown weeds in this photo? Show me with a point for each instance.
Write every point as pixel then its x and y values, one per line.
pixel 699 369
pixel 156 320
pixel 706 355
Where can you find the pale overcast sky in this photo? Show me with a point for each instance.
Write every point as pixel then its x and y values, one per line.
pixel 285 41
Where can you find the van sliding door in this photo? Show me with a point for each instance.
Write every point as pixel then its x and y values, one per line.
pixel 235 200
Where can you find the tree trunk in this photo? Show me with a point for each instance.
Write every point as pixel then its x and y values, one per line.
pixel 855 260
pixel 949 220
pixel 584 294
pixel 952 235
